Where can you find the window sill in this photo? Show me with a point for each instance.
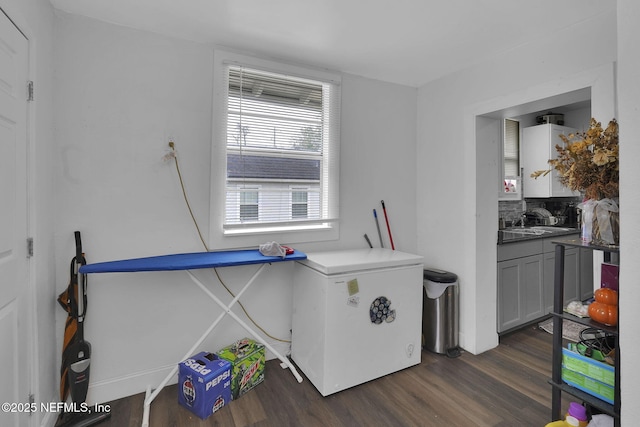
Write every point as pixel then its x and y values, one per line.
pixel 276 230
pixel 246 238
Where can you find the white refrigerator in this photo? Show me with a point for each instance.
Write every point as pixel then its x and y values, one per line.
pixel 357 316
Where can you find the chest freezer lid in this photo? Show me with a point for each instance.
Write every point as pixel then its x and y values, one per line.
pixel 347 261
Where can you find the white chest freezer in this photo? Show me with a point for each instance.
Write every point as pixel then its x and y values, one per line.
pixel 357 316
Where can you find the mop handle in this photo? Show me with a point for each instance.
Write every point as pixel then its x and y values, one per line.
pixel 368 241
pixel 386 218
pixel 375 215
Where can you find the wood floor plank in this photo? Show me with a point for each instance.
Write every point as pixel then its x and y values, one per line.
pixel 496 400
pixel 247 409
pixel 506 386
pixel 437 388
pixel 520 378
pixel 426 392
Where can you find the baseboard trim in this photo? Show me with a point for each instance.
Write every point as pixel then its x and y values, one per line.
pixel 107 390
pixel 128 385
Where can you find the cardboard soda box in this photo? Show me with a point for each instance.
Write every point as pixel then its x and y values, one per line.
pixel 204 384
pixel 247 358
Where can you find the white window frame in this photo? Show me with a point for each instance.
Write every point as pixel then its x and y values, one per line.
pixel 514 143
pixel 221 238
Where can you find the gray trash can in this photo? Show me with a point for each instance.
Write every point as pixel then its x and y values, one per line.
pixel 440 312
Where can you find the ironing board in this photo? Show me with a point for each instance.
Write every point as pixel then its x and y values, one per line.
pixel 193 261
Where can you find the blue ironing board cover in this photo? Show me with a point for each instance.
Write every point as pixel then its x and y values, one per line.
pixel 189 261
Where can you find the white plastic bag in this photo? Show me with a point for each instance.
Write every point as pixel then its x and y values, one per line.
pixel 604 208
pixel 273 249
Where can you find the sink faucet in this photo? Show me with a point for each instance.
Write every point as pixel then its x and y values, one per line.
pixel 523 218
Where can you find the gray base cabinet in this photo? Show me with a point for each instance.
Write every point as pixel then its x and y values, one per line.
pixel 519 291
pixel 572 278
pixel 520 283
pixel 526 280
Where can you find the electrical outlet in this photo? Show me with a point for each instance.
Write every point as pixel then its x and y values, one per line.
pixel 170 139
pixel 169 152
pixel 171 136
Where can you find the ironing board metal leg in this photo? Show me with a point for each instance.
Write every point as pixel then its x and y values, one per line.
pixel 150 397
pixel 238 295
pixel 258 338
pixel 228 311
pixel 145 414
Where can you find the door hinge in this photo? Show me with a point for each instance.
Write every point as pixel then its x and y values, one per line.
pixel 29 247
pixel 30 90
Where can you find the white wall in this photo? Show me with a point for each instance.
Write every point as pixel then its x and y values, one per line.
pixel 378 147
pixel 628 95
pixel 120 94
pixel 35 20
pixel 583 55
pixel 464 241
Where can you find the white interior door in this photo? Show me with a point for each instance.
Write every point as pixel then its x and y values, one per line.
pixel 14 337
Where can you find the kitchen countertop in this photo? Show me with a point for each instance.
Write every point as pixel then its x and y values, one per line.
pixel 519 234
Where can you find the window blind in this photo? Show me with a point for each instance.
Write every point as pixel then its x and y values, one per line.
pixel 282 145
pixel 511 148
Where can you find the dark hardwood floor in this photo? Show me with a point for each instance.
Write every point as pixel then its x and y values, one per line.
pixel 506 386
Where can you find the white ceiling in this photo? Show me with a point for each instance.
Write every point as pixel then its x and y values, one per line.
pixel 409 42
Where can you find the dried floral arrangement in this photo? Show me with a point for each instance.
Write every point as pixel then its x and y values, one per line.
pixel 588 162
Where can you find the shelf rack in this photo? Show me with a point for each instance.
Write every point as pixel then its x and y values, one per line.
pixel 557 385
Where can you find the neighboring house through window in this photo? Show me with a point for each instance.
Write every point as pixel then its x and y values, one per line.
pixel 281 134
pixel 248 204
pixel 299 203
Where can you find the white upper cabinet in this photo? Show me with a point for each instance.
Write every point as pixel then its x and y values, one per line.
pixel 538 145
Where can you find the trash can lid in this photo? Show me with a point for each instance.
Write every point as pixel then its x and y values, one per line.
pixel 439 276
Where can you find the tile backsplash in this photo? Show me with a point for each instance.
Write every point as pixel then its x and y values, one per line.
pixel 511 210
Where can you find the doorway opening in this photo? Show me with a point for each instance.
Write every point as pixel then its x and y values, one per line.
pixel 593 90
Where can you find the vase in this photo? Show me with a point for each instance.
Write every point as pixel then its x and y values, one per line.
pixel 600 223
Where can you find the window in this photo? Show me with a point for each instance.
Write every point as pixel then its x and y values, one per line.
pixel 511 159
pixel 276 147
pixel 248 205
pixel 299 203
pixel 511 148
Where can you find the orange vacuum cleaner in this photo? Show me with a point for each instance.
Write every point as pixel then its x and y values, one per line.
pixel 76 352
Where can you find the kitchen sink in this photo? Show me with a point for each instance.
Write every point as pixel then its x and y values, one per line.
pixel 551 229
pixel 526 230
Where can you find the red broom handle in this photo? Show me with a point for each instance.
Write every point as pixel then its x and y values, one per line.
pixel 386 218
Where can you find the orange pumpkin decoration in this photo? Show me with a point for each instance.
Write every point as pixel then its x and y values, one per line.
pixel 606 296
pixel 604 313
